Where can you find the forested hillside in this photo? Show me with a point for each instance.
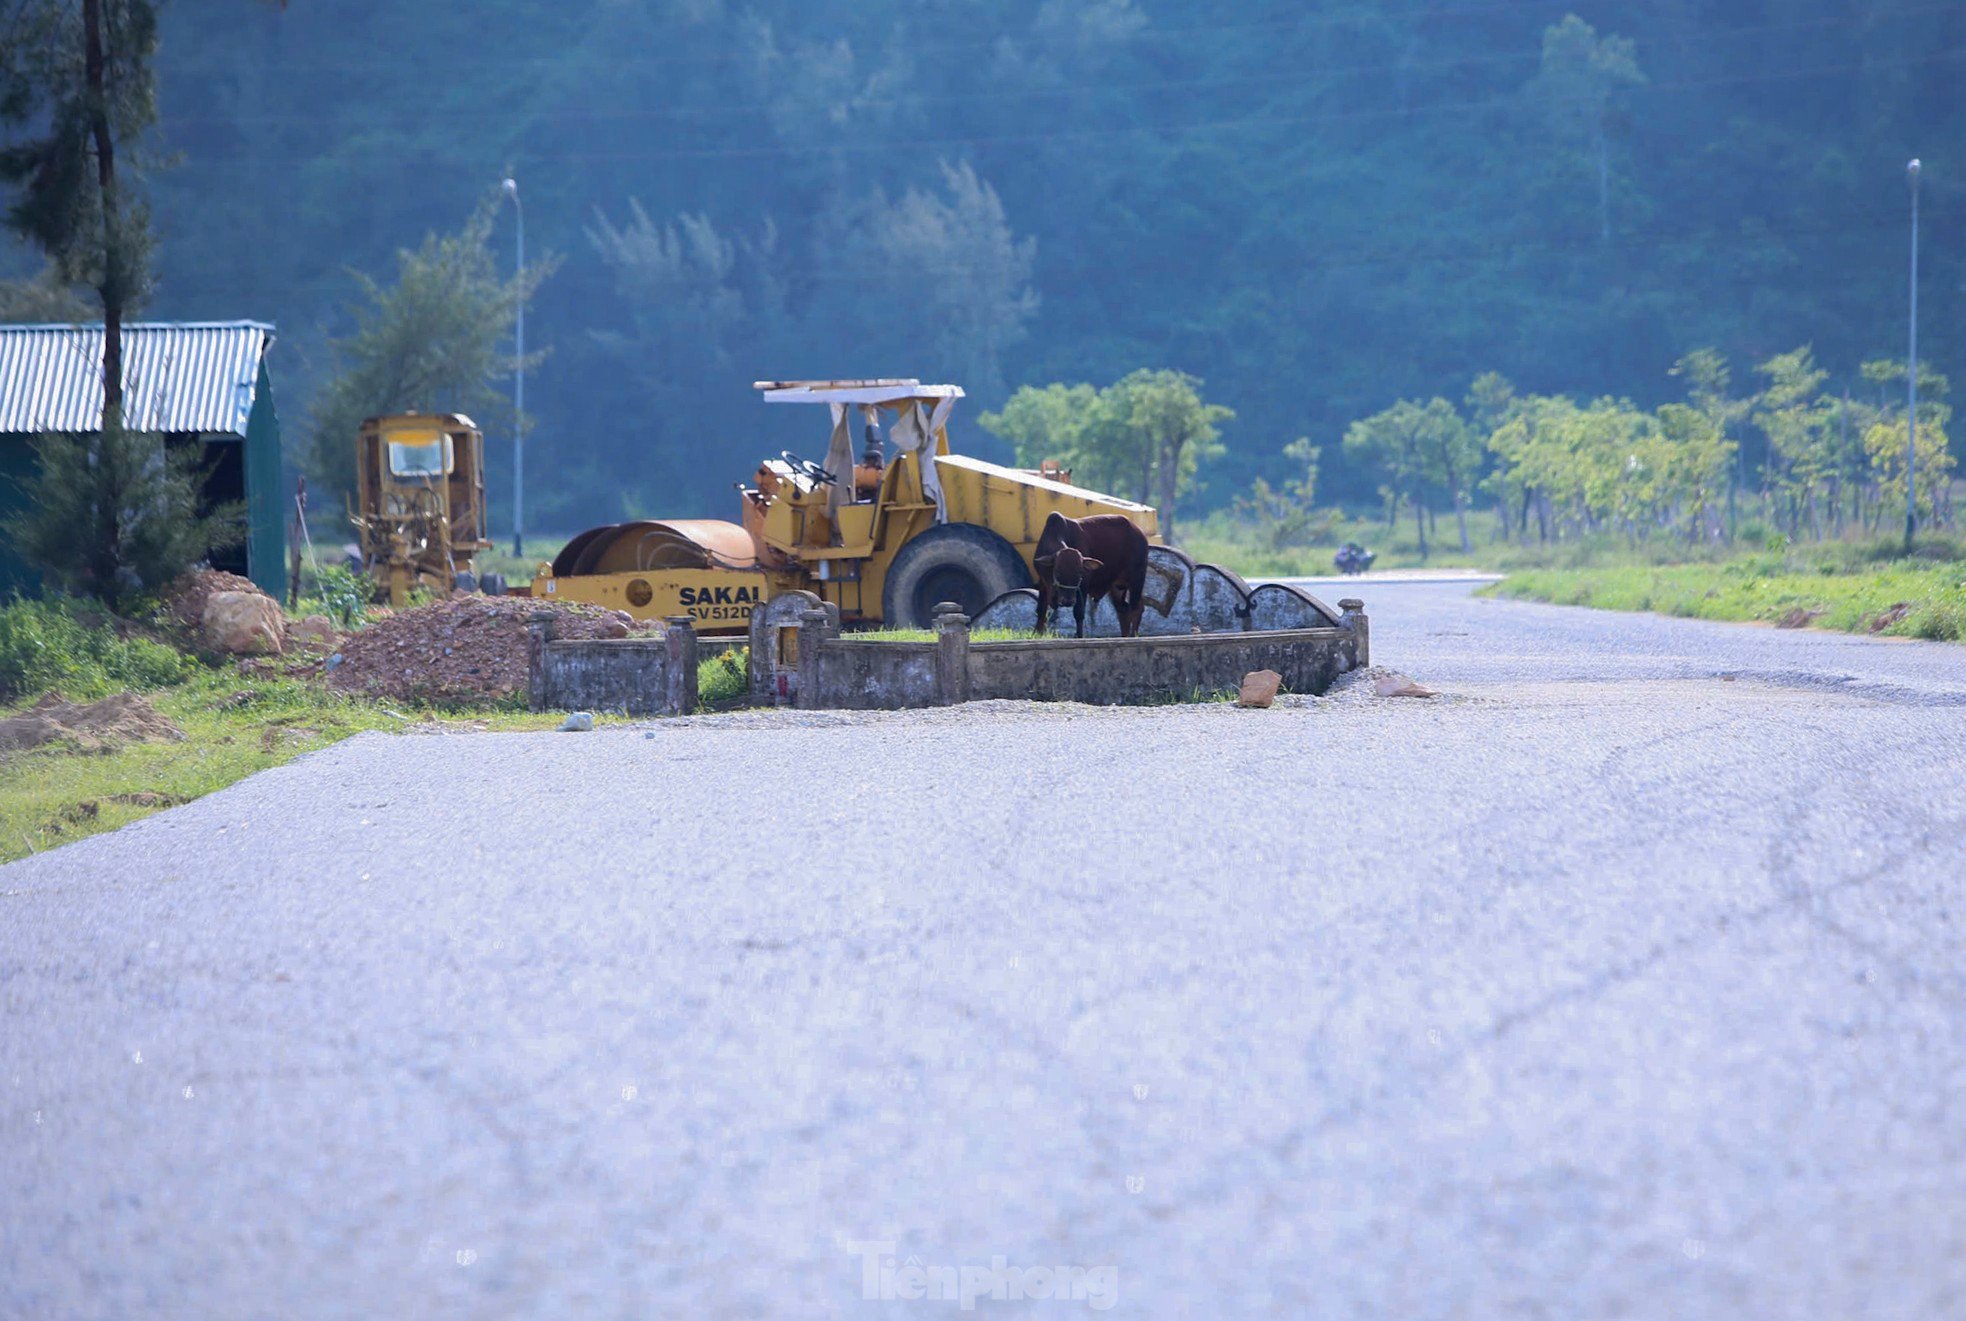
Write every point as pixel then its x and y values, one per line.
pixel 1316 208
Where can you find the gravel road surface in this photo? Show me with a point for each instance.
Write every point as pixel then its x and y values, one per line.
pixel 1626 978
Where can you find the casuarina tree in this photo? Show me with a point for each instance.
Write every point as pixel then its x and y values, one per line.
pixel 109 513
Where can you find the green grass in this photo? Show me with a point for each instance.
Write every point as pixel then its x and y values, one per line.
pixel 81 652
pixel 928 635
pixel 235 725
pixel 1239 545
pixel 517 568
pixel 1834 590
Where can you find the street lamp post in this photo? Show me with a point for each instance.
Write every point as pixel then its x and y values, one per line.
pixel 519 388
pixel 1911 376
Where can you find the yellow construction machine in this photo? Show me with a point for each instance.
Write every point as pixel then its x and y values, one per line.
pixel 420 484
pixel 885 537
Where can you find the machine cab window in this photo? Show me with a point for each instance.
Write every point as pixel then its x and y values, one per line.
pixel 420 458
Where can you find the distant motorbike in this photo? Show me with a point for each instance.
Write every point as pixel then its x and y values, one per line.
pixel 1353 558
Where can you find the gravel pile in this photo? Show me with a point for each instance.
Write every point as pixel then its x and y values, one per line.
pixel 469 648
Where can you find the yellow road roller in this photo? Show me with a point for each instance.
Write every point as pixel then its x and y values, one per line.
pixel 884 534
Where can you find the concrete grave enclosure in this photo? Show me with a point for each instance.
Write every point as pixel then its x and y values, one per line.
pixel 1204 629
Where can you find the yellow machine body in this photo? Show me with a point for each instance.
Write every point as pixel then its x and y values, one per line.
pixel 420 501
pixel 802 532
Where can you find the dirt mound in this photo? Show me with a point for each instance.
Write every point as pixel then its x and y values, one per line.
pixel 466 649
pixel 185 598
pixel 88 727
pixel 1893 615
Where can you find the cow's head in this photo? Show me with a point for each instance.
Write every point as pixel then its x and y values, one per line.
pixel 1066 572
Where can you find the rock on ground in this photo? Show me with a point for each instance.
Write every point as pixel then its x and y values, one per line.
pixel 1259 688
pixel 243 624
pixel 185 598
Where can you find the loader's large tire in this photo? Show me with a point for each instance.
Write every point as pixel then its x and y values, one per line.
pixel 959 562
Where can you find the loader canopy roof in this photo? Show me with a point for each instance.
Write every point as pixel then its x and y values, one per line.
pixel 922 413
pixel 888 392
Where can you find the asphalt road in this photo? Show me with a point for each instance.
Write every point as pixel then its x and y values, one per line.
pixel 1624 979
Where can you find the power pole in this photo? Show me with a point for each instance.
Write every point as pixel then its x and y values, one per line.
pixel 1911 377
pixel 519 389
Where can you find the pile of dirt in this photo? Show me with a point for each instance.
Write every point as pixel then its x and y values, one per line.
pixel 466 649
pixel 185 598
pixel 1895 614
pixel 87 727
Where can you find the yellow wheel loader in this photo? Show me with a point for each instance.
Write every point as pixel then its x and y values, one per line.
pixel 420 487
pixel 885 536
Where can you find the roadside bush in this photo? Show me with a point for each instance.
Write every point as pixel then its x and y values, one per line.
pixel 343 593
pixel 723 678
pixel 53 644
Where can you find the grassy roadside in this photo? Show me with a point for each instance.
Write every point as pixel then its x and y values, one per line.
pixel 234 726
pixel 1896 599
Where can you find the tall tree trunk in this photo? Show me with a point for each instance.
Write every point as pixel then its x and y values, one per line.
pixel 1461 518
pixel 1170 473
pixel 113 288
pixel 1420 523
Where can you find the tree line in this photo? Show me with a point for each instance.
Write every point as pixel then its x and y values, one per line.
pixel 1556 468
pixel 1315 207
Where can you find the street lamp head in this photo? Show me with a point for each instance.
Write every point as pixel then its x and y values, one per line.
pixel 1911 172
pixel 511 186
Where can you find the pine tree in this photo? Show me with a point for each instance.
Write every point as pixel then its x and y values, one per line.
pixel 111 513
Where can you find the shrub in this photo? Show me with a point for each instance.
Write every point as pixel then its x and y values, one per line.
pixel 118 514
pixel 53 644
pixel 723 678
pixel 344 594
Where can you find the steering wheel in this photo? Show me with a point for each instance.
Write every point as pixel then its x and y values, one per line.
pixel 811 470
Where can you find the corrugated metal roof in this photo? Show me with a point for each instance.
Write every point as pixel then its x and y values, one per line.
pixel 176 377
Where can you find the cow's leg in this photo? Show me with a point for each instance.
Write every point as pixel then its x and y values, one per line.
pixel 1044 605
pixel 1078 611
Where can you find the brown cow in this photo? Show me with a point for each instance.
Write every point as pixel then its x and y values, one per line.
pixel 1081 560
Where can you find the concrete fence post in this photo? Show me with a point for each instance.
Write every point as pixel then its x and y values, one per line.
pixel 539 632
pixel 815 628
pixel 1353 617
pixel 679 683
pixel 951 654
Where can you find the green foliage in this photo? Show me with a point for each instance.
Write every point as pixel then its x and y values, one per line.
pixel 1049 422
pixel 58 645
pixel 435 341
pixel 934 280
pixel 1317 207
pixel 1419 447
pixel 343 593
pixel 723 679
pixel 41 298
pixel 928 635
pixel 1578 89
pixel 1286 516
pixel 118 514
pixel 76 112
pixel 1143 436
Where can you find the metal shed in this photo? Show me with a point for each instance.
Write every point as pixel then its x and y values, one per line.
pixel 202 383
